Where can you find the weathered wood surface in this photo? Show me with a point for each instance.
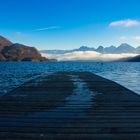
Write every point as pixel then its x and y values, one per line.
pixel 70 105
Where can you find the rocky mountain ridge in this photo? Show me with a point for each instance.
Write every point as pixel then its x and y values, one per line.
pixel 18 52
pixel 123 48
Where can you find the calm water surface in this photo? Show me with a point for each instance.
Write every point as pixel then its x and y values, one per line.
pixel 13 74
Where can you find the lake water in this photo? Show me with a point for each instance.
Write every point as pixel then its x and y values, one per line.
pixel 13 74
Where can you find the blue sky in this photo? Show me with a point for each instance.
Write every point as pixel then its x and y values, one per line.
pixel 67 24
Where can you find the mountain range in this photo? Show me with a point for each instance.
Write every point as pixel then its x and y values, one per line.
pixel 10 51
pixel 123 48
pixel 124 52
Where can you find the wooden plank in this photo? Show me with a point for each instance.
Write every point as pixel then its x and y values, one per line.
pixel 70 105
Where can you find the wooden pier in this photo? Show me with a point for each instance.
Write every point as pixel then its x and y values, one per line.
pixel 70 106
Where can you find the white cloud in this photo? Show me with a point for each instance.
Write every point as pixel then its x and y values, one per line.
pixel 18 34
pixel 137 38
pixel 124 23
pixel 123 38
pixel 132 38
pixel 88 55
pixel 48 28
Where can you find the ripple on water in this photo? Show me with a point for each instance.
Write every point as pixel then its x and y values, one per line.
pixel 13 74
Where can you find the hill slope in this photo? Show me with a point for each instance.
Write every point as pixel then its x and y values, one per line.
pixel 18 52
pixel 4 42
pixel 135 59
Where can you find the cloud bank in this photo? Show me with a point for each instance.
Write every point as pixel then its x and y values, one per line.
pixel 88 56
pixel 125 23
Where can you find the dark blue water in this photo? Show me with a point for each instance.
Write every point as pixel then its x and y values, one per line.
pixel 13 74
